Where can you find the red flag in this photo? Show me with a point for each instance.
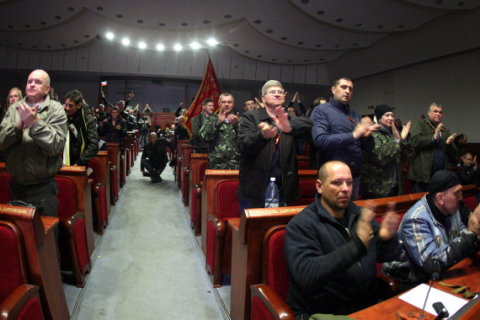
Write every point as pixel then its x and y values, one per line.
pixel 210 88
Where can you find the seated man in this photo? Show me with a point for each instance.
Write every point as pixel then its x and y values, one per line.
pixel 434 237
pixel 154 157
pixel 332 248
pixel 468 170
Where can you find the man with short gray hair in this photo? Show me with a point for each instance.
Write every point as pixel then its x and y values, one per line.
pixel 433 146
pixel 267 149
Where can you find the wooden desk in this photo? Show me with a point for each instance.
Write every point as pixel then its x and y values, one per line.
pixel 464 273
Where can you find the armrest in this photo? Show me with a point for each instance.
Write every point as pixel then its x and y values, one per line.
pixel 276 306
pixel 16 302
pixel 220 225
pixel 69 222
pixel 387 287
pixel 198 190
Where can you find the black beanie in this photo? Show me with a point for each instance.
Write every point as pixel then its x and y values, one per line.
pixel 381 109
pixel 443 180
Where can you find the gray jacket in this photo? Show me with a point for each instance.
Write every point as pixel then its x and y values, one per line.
pixel 33 155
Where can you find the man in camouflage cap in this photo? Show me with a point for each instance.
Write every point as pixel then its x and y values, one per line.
pixel 221 132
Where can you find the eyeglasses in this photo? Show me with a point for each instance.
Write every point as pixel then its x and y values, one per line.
pixel 276 92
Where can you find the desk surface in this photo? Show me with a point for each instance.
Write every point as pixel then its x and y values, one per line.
pixel 465 273
pixel 49 223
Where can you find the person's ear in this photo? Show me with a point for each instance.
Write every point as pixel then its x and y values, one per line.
pixel 318 186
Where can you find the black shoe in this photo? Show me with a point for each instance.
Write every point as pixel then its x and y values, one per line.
pixel 155 180
pixel 146 174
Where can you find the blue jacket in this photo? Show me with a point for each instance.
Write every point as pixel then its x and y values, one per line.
pixel 333 124
pixel 427 244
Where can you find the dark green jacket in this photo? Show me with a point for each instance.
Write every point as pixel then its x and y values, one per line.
pixel 380 165
pixel 85 146
pixel 222 143
pixel 422 141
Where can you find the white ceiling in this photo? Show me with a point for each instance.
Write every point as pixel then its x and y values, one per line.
pixel 271 31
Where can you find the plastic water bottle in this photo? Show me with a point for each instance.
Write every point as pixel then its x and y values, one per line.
pixel 271 195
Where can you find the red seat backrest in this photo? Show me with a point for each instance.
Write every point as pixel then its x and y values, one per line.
pixel 66 197
pixel 307 192
pixel 5 195
pixel 226 200
pixel 95 175
pixel 12 259
pixel 470 201
pixel 275 273
pixel 201 171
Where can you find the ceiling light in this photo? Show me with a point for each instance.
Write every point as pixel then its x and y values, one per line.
pixel 195 45
pixel 177 47
pixel 212 42
pixel 125 41
pixel 110 36
pixel 160 47
pixel 142 45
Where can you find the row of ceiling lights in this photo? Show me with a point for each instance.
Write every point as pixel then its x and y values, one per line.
pixel 160 47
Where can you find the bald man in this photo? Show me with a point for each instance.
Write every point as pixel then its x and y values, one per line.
pixel 332 248
pixel 33 136
pixel 154 157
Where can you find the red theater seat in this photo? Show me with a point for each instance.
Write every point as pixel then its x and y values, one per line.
pixel 99 197
pixel 269 298
pixel 196 201
pixel 72 232
pixel 219 235
pixel 17 299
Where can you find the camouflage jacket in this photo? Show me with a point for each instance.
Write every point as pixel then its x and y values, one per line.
pixel 380 165
pixel 222 140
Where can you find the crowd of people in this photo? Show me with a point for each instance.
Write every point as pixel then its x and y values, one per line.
pixel 333 246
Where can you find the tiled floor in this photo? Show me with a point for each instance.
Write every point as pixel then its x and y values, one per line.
pixel 148 264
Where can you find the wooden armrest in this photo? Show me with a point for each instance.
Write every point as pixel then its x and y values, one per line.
pixel 15 302
pixel 387 287
pixel 277 307
pixel 69 222
pixel 220 225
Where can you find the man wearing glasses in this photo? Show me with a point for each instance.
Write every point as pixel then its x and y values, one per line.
pixel 339 133
pixel 267 149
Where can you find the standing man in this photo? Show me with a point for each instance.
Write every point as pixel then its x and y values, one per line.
pixel 201 146
pixel 144 126
pixel 14 95
pixel 220 131
pixel 332 248
pixel 433 146
pixel 339 133
pixel 33 135
pixel 267 148
pixel 154 157
pixel 249 105
pixel 82 139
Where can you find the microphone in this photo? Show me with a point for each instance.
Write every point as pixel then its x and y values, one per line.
pixel 440 310
pixel 435 276
pixel 289 174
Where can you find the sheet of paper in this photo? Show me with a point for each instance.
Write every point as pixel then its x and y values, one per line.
pixel 417 296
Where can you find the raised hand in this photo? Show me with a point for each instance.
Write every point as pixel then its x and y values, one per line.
pixel 406 130
pixel 390 223
pixel 281 120
pixel 268 131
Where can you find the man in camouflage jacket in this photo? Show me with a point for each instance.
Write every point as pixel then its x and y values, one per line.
pixel 221 132
pixel 382 174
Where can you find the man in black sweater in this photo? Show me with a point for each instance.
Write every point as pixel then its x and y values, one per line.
pixel 154 157
pixel 332 248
